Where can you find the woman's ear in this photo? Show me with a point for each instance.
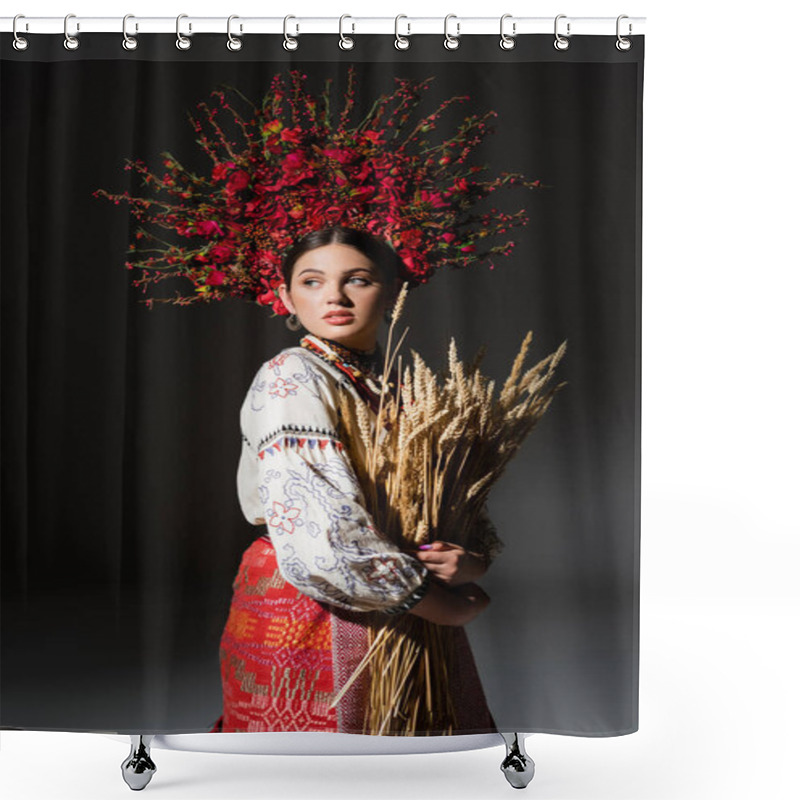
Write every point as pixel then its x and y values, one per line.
pixel 283 293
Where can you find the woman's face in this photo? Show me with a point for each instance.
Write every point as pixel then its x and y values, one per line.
pixel 339 294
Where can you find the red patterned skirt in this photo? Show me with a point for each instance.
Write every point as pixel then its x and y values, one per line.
pixel 284 657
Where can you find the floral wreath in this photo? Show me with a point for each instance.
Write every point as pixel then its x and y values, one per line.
pixel 284 168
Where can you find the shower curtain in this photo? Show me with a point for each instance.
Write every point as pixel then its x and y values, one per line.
pixel 141 315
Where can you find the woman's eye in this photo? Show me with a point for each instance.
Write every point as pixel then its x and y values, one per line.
pixel 310 281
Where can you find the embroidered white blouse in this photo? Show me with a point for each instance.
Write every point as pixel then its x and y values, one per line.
pixel 296 478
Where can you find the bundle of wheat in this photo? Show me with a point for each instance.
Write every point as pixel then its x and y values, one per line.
pixel 426 466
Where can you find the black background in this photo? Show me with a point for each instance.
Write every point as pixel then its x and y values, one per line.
pixel 121 527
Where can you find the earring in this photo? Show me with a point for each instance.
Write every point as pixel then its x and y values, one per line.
pixel 292 323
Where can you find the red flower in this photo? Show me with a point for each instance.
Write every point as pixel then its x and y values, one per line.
pixel 436 199
pixel 411 239
pixel 215 278
pixel 449 237
pixel 266 298
pixel 279 308
pixel 208 227
pixel 237 181
pixel 337 154
pixel 468 248
pixel 277 217
pixel 296 169
pixel 271 298
pixel 293 161
pixel 292 135
pixel 460 185
pixel 221 170
pixel 221 253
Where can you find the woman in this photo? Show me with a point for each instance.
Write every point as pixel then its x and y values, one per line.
pixel 296 628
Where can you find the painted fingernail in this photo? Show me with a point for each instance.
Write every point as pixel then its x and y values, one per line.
pixel 425 547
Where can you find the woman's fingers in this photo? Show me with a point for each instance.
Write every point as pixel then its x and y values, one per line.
pixel 432 557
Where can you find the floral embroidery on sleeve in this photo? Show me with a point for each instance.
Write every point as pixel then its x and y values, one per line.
pixel 283 517
pixel 282 388
pixel 383 570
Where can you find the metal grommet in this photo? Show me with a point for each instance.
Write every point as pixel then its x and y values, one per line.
pixel 401 42
pixel 71 42
pixel 234 43
pixel 129 42
pixel 451 42
pixel 20 42
pixel 345 42
pixel 289 43
pixel 561 43
pixel 622 43
pixel 182 42
pixel 507 42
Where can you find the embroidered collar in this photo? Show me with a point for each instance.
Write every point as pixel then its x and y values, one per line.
pixel 364 368
pixel 364 363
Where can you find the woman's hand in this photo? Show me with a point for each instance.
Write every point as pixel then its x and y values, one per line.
pixel 456 606
pixel 450 563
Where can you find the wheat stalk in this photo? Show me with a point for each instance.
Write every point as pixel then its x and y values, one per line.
pixel 437 448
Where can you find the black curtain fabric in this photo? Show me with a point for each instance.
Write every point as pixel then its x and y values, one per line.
pixel 121 529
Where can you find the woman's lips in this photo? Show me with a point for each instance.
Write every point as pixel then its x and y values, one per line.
pixel 339 319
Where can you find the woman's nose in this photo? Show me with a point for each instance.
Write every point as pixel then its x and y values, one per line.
pixel 337 295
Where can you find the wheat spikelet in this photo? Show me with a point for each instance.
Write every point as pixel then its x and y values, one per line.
pixel 399 303
pixel 510 386
pixel 485 413
pixel 452 432
pixel 457 371
pixel 477 487
pixel 364 426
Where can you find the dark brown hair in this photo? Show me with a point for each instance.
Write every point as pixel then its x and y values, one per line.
pixel 377 250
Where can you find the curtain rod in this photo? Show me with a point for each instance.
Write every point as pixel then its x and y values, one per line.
pixel 407 26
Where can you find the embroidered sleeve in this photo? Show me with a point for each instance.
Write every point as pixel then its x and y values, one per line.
pixel 296 478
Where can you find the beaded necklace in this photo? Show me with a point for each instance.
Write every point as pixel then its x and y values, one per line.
pixel 363 367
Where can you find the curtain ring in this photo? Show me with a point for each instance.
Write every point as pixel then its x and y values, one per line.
pixel 70 42
pixel 182 42
pixel 20 42
pixel 622 43
pixel 289 42
pixel 345 42
pixel 234 43
pixel 401 42
pixel 561 43
pixel 451 42
pixel 507 42
pixel 129 42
